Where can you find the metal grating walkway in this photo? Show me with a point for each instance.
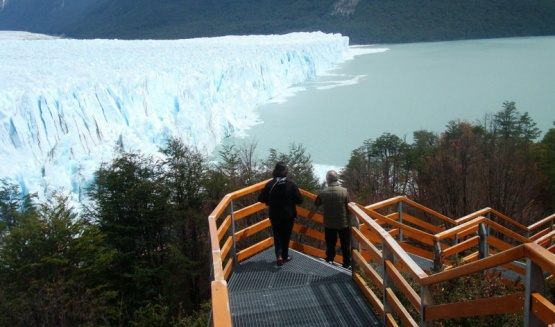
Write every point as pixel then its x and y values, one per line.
pixel 303 292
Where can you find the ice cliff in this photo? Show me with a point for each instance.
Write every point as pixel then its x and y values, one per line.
pixel 66 104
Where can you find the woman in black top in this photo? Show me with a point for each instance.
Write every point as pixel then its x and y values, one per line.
pixel 281 195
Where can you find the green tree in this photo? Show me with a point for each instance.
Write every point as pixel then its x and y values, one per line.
pixel 358 177
pixel 546 157
pixel 379 169
pixel 131 206
pixel 13 204
pixel 509 124
pixel 299 163
pixel 512 179
pixel 52 270
pixel 421 151
pixel 240 166
pixel 449 180
pixel 153 213
pixel 185 171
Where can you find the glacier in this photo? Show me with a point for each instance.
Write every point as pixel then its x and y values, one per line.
pixel 67 104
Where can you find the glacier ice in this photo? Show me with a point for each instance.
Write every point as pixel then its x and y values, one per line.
pixel 65 103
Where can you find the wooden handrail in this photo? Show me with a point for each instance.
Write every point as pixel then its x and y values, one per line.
pixel 542 222
pixel 473 215
pixel 457 229
pixel 248 190
pixel 404 199
pixel 220 297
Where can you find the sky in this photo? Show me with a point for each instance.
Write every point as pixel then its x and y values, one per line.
pixel 65 104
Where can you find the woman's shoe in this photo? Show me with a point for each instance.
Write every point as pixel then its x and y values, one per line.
pixel 279 261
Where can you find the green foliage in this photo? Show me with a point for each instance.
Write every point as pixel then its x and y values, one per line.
pixel 546 158
pixel 379 169
pixel 13 204
pixel 468 167
pixel 198 318
pixel 154 314
pixel 185 171
pixel 52 268
pixel 153 214
pixel 131 208
pixel 509 124
pixel 299 163
pixel 157 314
pixel 477 286
pixel 240 165
pixel 376 21
pixel 139 254
pixel 450 177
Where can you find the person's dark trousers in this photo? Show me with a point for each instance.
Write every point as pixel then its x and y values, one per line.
pixel 344 239
pixel 282 235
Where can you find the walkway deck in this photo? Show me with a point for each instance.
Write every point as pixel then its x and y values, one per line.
pixel 303 292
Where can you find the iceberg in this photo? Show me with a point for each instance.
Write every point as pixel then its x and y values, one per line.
pixel 66 104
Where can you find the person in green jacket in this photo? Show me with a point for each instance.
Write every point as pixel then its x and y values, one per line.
pixel 334 198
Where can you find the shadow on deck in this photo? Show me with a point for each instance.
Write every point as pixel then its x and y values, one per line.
pixel 303 292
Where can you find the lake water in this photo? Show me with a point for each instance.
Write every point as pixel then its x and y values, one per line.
pixel 406 88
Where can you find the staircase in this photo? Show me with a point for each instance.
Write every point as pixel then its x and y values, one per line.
pixel 403 250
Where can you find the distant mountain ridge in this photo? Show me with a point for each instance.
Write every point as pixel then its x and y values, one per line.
pixel 364 21
pixel 43 16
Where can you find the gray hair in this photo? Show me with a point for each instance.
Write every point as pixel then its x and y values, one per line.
pixel 331 176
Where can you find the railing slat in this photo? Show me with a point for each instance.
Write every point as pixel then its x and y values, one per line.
pixel 464 245
pixel 400 309
pixel 403 285
pixel 542 308
pixel 511 303
pixel 222 230
pixel 252 229
pixel 369 294
pixel 368 270
pixel 477 266
pixel 254 249
pixel 247 211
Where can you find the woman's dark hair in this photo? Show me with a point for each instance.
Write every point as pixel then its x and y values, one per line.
pixel 280 170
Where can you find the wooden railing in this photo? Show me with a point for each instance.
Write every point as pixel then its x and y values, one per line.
pixel 390 234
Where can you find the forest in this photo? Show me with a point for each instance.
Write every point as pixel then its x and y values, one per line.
pixel 371 21
pixel 136 252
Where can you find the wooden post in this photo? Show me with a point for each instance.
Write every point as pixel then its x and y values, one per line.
pixel 550 229
pixel 438 257
pixel 534 283
pixel 483 245
pixel 425 300
pixel 400 210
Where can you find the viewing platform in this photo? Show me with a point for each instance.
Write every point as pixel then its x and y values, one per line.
pixel 403 256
